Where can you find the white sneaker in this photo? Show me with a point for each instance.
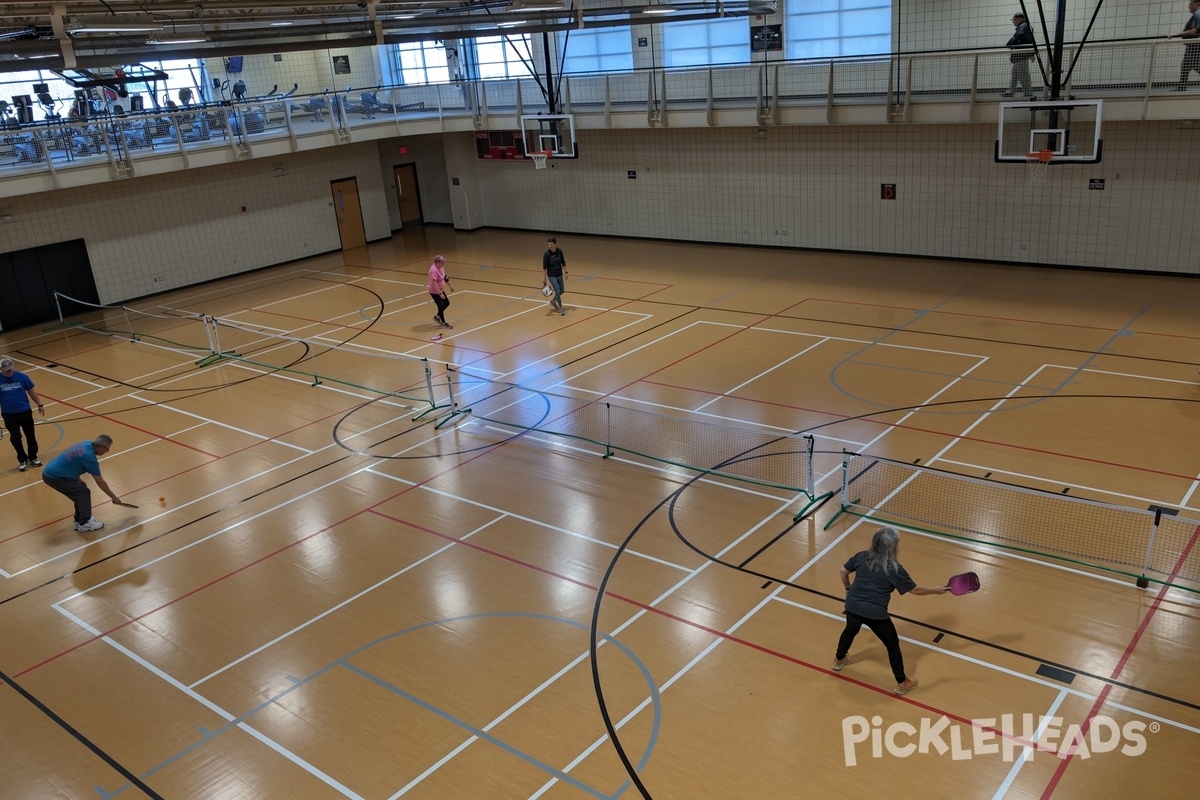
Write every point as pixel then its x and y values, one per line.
pixel 92 524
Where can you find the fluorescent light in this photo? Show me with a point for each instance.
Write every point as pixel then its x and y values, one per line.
pixel 115 27
pixel 110 25
pixel 658 10
pixel 181 40
pixel 279 24
pixel 521 6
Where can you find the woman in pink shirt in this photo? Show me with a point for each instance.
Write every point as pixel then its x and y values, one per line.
pixel 437 286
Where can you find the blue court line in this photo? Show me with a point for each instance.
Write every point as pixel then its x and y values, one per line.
pixel 207 736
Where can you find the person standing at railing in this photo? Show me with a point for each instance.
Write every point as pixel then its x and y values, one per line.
pixel 1191 53
pixel 1022 43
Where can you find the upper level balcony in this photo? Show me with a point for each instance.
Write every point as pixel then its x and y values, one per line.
pixel 1137 80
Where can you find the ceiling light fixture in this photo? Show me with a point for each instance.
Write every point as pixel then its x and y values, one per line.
pixel 521 6
pixel 111 26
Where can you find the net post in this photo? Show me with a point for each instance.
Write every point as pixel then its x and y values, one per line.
pixel 316 373
pixel 845 490
pixel 431 397
pixel 1143 582
pixel 608 451
pixel 129 324
pixel 810 485
pixel 454 409
pixel 210 332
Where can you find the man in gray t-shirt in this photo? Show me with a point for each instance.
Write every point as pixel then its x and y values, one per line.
pixel 1191 53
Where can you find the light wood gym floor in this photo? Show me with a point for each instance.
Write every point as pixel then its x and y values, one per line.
pixel 302 619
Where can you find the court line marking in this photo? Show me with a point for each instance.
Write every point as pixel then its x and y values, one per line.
pixel 1053 482
pixel 211 706
pixel 1018 763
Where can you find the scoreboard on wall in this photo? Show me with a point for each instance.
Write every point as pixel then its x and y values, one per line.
pixel 500 145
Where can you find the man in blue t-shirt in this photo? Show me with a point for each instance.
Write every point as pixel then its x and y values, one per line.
pixel 63 475
pixel 16 390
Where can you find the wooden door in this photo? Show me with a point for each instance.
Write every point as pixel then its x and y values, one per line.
pixel 407 194
pixel 349 213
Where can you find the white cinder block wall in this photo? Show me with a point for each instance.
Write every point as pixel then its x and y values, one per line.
pixel 814 187
pixel 819 187
pixel 188 227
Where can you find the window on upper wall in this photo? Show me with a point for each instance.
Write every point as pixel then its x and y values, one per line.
pixel 824 28
pixel 180 75
pixel 422 63
pixel 596 50
pixel 698 44
pixel 503 56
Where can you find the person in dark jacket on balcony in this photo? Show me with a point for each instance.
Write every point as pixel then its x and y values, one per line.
pixel 1022 46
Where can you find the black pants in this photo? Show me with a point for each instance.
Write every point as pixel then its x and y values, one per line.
pixel 79 493
pixel 885 629
pixel 1190 63
pixel 22 423
pixel 443 302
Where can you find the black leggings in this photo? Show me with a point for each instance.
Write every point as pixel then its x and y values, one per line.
pixel 443 302
pixel 885 629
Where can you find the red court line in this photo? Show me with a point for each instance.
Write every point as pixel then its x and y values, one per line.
pixel 681 359
pixel 213 459
pixel 576 320
pixel 286 547
pixel 729 637
pixel 1108 687
pixel 943 434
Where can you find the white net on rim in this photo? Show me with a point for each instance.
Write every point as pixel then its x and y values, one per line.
pixel 539 160
pixel 1039 165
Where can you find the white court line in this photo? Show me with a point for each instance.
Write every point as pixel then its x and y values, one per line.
pixel 206 703
pixel 637 615
pixel 337 606
pixel 778 365
pixel 997 470
pixel 1018 763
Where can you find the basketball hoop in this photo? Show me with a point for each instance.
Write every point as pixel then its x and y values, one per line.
pixel 539 159
pixel 1038 164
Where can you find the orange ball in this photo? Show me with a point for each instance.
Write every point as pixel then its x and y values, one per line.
pixel 162 499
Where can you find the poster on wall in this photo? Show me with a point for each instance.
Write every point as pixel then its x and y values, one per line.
pixel 766 37
pixel 341 65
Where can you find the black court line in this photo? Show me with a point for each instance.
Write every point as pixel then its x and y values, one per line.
pixel 79 737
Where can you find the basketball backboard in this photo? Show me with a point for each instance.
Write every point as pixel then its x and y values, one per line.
pixel 553 133
pixel 1068 128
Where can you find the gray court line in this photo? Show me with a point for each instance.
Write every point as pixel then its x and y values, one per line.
pixel 478 733
pixel 207 736
pixel 916 315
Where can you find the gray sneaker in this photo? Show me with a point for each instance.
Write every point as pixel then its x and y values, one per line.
pixel 24 465
pixel 92 524
pixel 37 462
